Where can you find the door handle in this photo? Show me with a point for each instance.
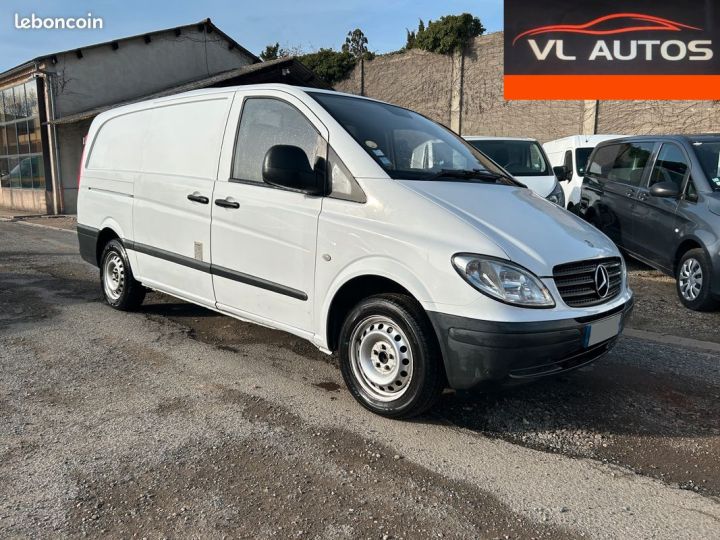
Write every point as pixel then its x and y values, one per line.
pixel 630 193
pixel 198 198
pixel 642 197
pixel 224 203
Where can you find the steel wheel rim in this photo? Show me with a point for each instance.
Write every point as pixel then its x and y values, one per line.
pixel 381 358
pixel 691 279
pixel 113 276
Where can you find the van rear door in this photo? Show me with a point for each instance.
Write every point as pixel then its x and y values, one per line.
pixel 263 237
pixel 173 193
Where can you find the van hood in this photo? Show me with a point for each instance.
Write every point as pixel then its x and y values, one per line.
pixel 542 185
pixel 533 232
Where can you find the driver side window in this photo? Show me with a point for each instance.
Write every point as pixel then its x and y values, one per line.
pixel 267 122
pixel 671 166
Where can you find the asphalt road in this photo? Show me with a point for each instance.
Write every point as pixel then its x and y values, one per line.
pixel 176 421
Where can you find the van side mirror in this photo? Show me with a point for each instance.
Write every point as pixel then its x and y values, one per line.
pixel 563 173
pixel 288 167
pixel 665 190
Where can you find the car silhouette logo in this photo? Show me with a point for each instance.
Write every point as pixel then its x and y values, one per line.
pixel 602 281
pixel 628 22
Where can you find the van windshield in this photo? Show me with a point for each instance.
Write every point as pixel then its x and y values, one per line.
pixel 407 145
pixel 708 153
pixel 519 158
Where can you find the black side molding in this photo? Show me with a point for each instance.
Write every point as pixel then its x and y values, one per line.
pixel 167 256
pixel 216 270
pixel 257 282
pixel 87 241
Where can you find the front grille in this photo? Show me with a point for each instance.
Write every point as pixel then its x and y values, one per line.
pixel 576 281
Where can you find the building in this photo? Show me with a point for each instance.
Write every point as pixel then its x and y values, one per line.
pixel 48 104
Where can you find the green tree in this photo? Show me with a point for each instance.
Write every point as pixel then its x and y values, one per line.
pixel 333 66
pixel 356 44
pixel 271 52
pixel 448 34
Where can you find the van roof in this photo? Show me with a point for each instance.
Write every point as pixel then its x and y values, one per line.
pixel 287 88
pixel 686 138
pixel 585 139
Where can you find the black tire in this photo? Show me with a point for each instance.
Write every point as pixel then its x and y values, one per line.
pixel 695 263
pixel 129 293
pixel 421 379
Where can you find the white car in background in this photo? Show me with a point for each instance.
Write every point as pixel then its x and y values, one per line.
pixel 525 160
pixel 573 153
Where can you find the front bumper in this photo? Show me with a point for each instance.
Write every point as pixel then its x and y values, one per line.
pixel 504 353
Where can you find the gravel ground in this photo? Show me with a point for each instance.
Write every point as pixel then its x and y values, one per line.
pixel 176 421
pixel 658 308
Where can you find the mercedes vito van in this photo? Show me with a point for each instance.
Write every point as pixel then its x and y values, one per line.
pixel 658 198
pixel 306 211
pixel 525 160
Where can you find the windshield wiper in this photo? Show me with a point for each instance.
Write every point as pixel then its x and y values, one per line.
pixel 473 174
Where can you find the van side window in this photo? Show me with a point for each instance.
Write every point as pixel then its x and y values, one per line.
pixel 342 182
pixel 568 162
pixel 671 166
pixel 267 122
pixel 624 163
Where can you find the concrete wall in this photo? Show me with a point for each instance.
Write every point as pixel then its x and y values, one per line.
pixel 417 79
pixel 105 76
pixel 37 201
pixel 70 139
pixel 466 94
pixel 658 117
pixel 485 111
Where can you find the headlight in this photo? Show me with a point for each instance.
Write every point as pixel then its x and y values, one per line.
pixel 503 281
pixel 557 196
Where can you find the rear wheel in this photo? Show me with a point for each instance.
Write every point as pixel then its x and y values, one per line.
pixel 389 356
pixel 119 287
pixel 693 281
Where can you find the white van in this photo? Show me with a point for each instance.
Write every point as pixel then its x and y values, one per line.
pixel 303 210
pixel 573 153
pixel 525 160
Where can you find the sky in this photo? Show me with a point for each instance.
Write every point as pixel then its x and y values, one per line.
pixel 309 24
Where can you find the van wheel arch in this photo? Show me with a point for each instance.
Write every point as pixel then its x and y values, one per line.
pixel 350 294
pixel 104 237
pixel 682 249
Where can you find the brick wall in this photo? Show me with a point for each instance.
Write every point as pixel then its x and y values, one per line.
pixel 428 82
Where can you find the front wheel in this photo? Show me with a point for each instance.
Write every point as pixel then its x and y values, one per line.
pixel 389 356
pixel 693 281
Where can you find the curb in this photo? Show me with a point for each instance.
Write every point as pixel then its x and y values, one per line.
pixel 41 226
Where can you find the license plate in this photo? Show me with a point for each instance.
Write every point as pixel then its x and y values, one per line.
pixel 602 330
